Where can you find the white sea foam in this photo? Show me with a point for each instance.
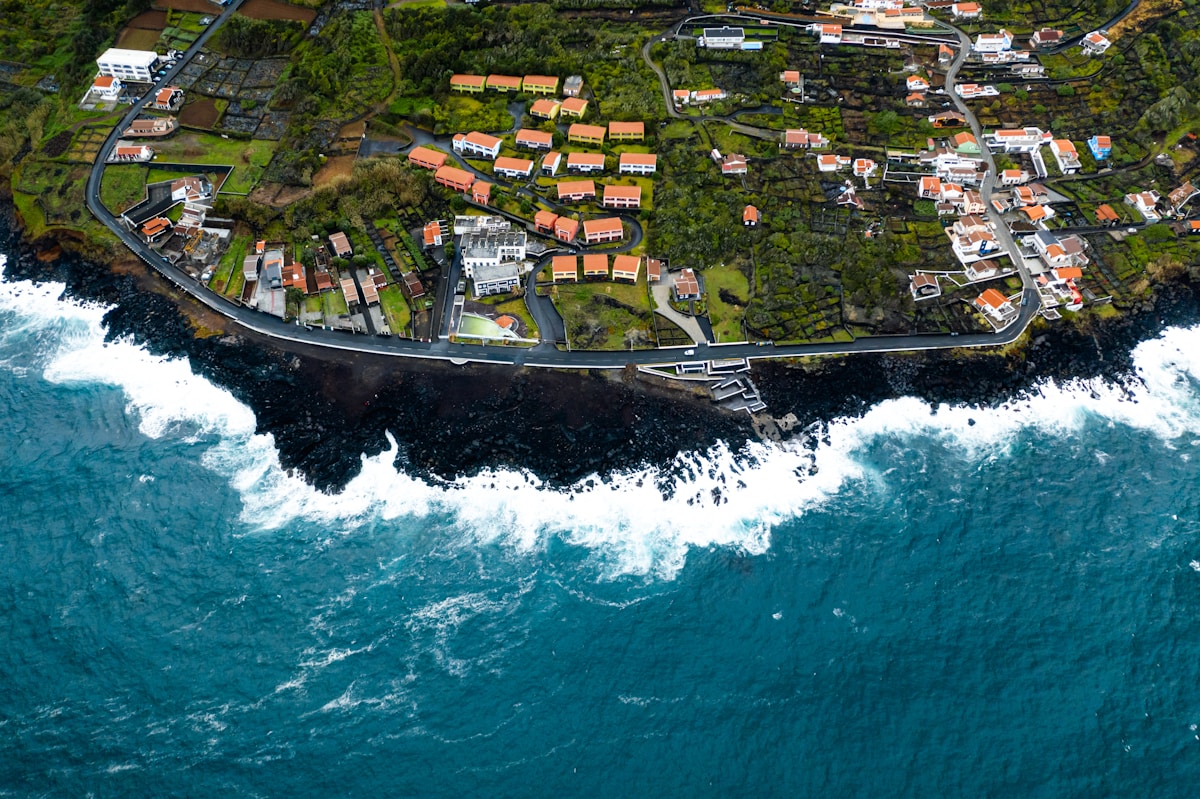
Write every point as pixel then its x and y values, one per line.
pixel 640 521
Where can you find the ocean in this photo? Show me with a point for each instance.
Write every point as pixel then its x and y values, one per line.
pixel 941 601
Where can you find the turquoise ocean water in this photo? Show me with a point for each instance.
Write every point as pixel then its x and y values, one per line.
pixel 956 603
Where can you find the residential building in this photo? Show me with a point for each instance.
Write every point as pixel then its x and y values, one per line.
pixel 579 133
pixel 573 86
pixel 534 139
pixel 128 65
pixel 476 144
pixel 972 203
pixel 915 100
pixel 948 119
pixel 412 285
pixel 476 223
pixel 130 153
pixel 472 84
pixel 1105 215
pixel 830 162
pixel 167 98
pixel 1046 37
pixel 915 83
pixel 1036 214
pixel 626 131
pixel 638 163
pixel 924 286
pixel 971 91
pixel 293 277
pixel 272 269
pixel 106 87
pixel 545 109
pixel 687 286
pixel 1095 43
pixel 1066 156
pixel 509 167
pixel 496 279
pixel 550 163
pixel 504 83
pixel 543 221
pixel 193 189
pixel 802 140
pixel 435 234
pixel 598 231
pixel 481 192
pixel 454 178
pixel 971 239
pixel 981 270
pixel 993 42
pixel 1027 70
pixel 1147 204
pixel 653 270
pixel 564 268
pixel 350 291
pixel 152 127
pixel 156 229
pixel 996 307
pixel 483 248
pixel 965 143
pixel 827 33
pixel 681 96
pixel 724 38
pixel 1011 177
pixel 427 157
pixel 945 54
pixel 1180 197
pixel 571 191
pixel 339 245
pixel 750 216
pixel 1050 249
pixel 585 163
pixel 540 84
pixel 734 164
pixel 566 229
pixel 1101 147
pixel 250 265
pixel 864 168
pixel 930 188
pixel 622 197
pixel 1017 140
pixel 966 10
pixel 707 96
pixel 595 266
pixel 790 78
pixel 626 268
pixel 574 107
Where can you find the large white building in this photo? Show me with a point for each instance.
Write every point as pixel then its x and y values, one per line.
pixel 723 38
pixel 137 65
pixel 486 249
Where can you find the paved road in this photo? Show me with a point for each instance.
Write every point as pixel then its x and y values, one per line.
pixel 545 354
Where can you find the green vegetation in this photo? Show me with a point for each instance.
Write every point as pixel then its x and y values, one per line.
pixel 122 186
pixel 605 316
pixel 395 309
pixel 243 37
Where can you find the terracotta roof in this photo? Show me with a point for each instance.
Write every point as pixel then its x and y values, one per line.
pixel 156 225
pixel 791 76
pixel 1034 212
pixel 626 265
pixel 623 192
pixel 482 140
pixel 1064 145
pixel 164 95
pixel 922 279
pixel 515 164
pixel 610 225
pixel 537 137
pixel 750 214
pixel 566 224
pixel 104 82
pixel 427 155
pixel 504 81
pixel 578 129
pixel 468 80
pixel 653 269
pixel 627 128
pixel 585 159
pixel 545 219
pixel 639 159
pixel 481 190
pixel 1068 273
pixel 574 105
pixel 595 263
pixel 544 107
pixel 1105 213
pixel 455 175
pixel 541 81
pixel 575 187
pixel 992 298
pixel 564 265
pixel 686 282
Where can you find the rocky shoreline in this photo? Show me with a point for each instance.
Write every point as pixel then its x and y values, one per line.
pixel 326 408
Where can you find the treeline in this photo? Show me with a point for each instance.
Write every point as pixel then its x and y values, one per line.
pixel 243 37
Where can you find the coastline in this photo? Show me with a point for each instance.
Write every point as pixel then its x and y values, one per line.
pixel 326 409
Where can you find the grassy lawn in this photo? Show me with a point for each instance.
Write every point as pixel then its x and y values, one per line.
pixel 597 315
pixel 231 260
pixel 236 282
pixel 248 158
pixel 122 186
pixel 335 303
pixel 726 318
pixel 395 309
pixel 313 304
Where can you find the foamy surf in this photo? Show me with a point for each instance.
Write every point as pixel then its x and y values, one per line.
pixel 638 521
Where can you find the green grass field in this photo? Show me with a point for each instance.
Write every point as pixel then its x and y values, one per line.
pixel 395 309
pixel 248 158
pixel 726 318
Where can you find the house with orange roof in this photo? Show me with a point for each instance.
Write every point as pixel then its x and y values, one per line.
pixel 472 84
pixel 595 266
pixel 1101 147
pixel 1147 204
pixel 801 139
pixel 540 84
pixel 924 286
pixel 734 164
pixel 509 167
pixel 545 109
pixel 564 268
pixel 479 145
pixel 454 178
pixel 504 83
pixel 683 96
pixel 638 164
pixel 626 268
pixel 686 286
pixel 572 191
pixel 1036 213
pixel 580 133
pixel 427 157
pixel 930 188
pixel 622 197
pixel 790 78
pixel 543 221
pixel 864 168
pixel 339 245
pixel 1012 177
pixel 167 98
pixel 966 10
pixel 830 162
pixel 995 307
pixel 481 192
pixel 915 100
pixel 750 216
pixel 574 107
pixel 1105 215
pixel 107 87
pixel 123 154
pixel 827 33
pixel 585 163
pixel 156 228
pixel 599 231
pixel 1066 156
pixel 653 270
pixel 534 139
pixel 708 96
pixel 293 277
pixel 550 163
pixel 566 229
pixel 1095 43
pixel 945 54
pixel 435 234
pixel 915 83
pixel 626 131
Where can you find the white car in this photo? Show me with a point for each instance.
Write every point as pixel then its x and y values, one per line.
pixel 689 352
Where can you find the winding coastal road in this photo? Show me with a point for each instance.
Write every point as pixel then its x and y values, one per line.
pixel 546 354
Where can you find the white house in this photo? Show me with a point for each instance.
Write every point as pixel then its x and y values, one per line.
pixel 1017 140
pixel 1066 156
pixel 827 33
pixel 916 83
pixel 106 87
pixel 993 42
pixel 1147 204
pixel 966 10
pixel 996 307
pixel 725 38
pixel 969 91
pixel 500 278
pixel 830 162
pixel 1095 43
pixel 477 144
pixel 135 65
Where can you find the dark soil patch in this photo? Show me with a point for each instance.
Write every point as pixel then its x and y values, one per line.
pixel 150 20
pixel 59 144
pixel 201 114
pixel 197 6
pixel 273 9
